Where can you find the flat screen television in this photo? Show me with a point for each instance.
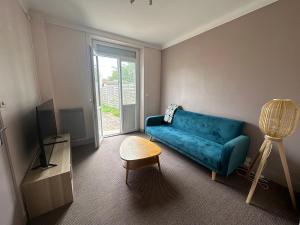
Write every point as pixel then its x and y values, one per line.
pixel 47 131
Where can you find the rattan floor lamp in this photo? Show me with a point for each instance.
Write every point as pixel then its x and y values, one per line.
pixel 278 119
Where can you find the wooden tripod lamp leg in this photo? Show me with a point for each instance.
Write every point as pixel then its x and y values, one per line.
pixel 213 175
pixel 258 157
pixel 260 168
pixel 286 172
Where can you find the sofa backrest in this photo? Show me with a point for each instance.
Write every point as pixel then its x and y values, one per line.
pixel 217 129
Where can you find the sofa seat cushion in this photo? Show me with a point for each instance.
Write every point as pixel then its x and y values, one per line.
pixel 204 151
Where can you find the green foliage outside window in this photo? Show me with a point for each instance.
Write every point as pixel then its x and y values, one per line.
pixel 128 72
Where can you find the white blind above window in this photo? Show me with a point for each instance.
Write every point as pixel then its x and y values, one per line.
pixel 101 49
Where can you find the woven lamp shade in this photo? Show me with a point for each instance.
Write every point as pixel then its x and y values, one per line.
pixel 279 118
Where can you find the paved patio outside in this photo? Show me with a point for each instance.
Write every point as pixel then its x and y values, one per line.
pixel 110 124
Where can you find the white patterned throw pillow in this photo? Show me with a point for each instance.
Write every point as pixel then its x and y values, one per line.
pixel 170 113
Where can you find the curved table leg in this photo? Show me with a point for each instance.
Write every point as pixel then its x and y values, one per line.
pixel 158 164
pixel 127 170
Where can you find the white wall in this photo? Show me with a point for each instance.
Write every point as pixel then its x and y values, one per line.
pixel 18 89
pixel 63 68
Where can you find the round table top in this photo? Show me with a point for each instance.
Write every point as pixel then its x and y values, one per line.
pixel 135 148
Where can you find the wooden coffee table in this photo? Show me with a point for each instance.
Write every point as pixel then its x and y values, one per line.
pixel 137 153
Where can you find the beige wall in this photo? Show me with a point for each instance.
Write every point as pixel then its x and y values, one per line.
pixel 18 88
pixel 234 69
pixel 152 67
pixel 63 69
pixel 150 83
pixel 39 35
pixel 62 66
pixel 71 77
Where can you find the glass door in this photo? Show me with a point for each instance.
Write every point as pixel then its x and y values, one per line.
pixel 98 134
pixel 128 74
pixel 109 81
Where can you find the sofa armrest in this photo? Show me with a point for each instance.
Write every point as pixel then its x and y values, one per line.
pixel 234 153
pixel 154 120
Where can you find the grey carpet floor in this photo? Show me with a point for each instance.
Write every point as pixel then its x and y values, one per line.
pixel 183 194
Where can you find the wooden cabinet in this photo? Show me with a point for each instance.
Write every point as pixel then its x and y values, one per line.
pixel 47 189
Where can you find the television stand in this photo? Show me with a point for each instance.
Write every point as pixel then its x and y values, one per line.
pixel 47 189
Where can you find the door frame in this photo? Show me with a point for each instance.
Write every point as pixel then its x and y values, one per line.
pixel 4 148
pixel 97 138
pixel 93 40
pixel 99 94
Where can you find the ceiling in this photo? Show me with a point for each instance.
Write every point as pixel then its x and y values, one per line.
pixel 163 24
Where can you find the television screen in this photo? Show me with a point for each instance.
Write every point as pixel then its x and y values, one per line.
pixel 47 131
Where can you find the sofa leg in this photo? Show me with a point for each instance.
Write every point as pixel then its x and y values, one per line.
pixel 213 175
pixel 150 139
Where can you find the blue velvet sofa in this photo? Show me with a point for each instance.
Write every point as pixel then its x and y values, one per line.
pixel 214 142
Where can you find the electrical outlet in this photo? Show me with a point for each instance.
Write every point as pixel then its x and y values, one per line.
pixel 2 104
